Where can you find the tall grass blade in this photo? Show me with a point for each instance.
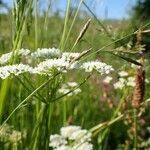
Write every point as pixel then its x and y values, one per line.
pixel 65 25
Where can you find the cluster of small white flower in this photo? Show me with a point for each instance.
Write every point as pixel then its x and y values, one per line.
pixel 98 66
pixel 45 66
pixel 46 53
pixel 9 134
pixel 68 87
pixel 123 74
pixel 5 58
pixel 16 70
pixel 63 62
pixel 40 53
pixel 124 80
pixel 71 138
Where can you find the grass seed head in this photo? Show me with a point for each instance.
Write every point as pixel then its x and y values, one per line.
pixel 138 93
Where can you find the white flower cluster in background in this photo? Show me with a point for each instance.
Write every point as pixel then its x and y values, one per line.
pixel 68 87
pixel 9 134
pixel 98 66
pixel 123 74
pixel 62 62
pixel 124 80
pixel 71 138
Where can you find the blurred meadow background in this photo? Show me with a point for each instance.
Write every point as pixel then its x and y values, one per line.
pixel 68 65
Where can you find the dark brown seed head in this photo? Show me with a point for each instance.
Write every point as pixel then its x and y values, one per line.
pixel 138 92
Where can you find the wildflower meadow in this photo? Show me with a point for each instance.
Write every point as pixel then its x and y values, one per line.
pixel 70 80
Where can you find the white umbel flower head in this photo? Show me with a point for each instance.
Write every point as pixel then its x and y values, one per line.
pixel 98 66
pixel 120 84
pixel 46 52
pixel 24 52
pixel 16 70
pixel 54 60
pixel 131 81
pixel 45 66
pixel 72 84
pixel 69 130
pixel 81 136
pixel 73 137
pixel 123 73
pixel 57 140
pixel 5 58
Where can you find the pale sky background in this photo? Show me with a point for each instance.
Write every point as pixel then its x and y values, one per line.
pixel 112 9
pixel 115 9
